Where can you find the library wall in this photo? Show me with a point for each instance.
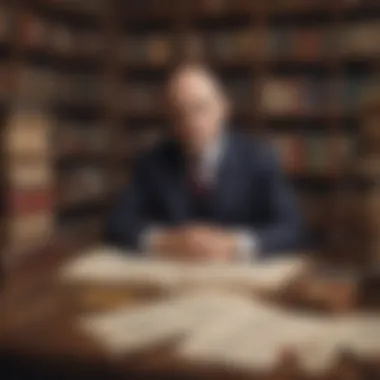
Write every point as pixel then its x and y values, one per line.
pixel 90 72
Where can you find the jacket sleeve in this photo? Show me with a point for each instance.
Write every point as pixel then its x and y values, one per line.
pixel 282 230
pixel 127 218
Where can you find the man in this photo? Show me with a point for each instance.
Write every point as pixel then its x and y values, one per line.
pixel 205 193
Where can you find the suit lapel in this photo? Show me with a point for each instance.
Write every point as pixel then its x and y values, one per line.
pixel 177 195
pixel 226 180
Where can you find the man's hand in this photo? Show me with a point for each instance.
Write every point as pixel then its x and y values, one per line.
pixel 197 243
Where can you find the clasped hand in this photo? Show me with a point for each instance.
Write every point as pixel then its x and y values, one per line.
pixel 197 243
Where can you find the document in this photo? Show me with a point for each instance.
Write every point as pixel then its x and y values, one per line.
pixel 114 266
pixel 109 265
pixel 356 333
pixel 271 274
pixel 131 330
pixel 251 341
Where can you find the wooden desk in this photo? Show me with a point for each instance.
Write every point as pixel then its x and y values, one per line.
pixel 39 336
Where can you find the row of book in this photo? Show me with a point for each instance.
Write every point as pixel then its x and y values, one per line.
pixel 54 85
pixel 30 178
pixel 305 95
pixel 5 80
pixel 55 37
pixel 313 153
pixel 226 6
pixel 207 7
pixel 75 139
pixel 155 49
pixel 354 39
pixel 5 23
pixel 359 39
pixel 305 43
pixel 90 7
pixel 279 96
pixel 85 183
pixel 136 141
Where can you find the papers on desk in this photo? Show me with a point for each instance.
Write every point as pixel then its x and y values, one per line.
pixel 107 265
pixel 114 266
pixel 215 324
pixel 358 334
pixel 131 330
pixel 252 343
pixel 272 274
pixel 232 330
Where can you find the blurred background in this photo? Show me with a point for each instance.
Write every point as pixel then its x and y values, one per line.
pixel 81 96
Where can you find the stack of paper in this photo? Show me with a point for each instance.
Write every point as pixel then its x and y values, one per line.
pixel 257 342
pixel 359 334
pixel 115 266
pixel 130 330
pixel 221 327
pixel 253 343
pixel 271 274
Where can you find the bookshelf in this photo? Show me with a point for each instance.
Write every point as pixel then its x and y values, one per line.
pixel 295 71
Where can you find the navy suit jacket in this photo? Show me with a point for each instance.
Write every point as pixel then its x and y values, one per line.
pixel 251 193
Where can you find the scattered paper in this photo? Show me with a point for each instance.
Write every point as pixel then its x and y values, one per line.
pixel 114 266
pixel 130 330
pixel 107 265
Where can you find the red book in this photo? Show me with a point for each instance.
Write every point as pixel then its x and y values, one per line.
pixel 24 202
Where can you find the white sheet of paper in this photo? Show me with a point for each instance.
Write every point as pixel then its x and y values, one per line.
pixel 208 337
pixel 110 265
pixel 271 274
pixel 254 341
pixel 358 333
pixel 131 330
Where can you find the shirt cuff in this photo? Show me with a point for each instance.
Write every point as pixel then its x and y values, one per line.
pixel 148 238
pixel 247 246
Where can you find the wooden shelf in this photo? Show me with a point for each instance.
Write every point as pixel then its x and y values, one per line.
pixel 65 13
pixel 63 61
pixel 181 19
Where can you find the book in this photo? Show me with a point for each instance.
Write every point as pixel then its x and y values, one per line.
pixel 25 230
pixel 241 93
pixel 27 135
pixel 83 184
pixel 4 23
pixel 231 46
pixel 61 39
pixel 281 96
pixel 318 153
pixel 309 44
pixel 142 98
pixel 29 175
pixel 23 202
pixel 291 150
pixel 5 78
pixel 34 31
pixel 89 44
pixel 158 49
pixel 212 6
pixel 73 138
pixel 360 39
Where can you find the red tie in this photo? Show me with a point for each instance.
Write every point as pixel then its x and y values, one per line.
pixel 198 184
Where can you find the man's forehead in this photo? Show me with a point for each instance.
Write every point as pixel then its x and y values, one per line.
pixel 193 77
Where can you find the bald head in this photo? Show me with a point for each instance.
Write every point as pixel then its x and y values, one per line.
pixel 197 104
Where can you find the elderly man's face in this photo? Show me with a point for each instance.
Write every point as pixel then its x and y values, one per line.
pixel 198 107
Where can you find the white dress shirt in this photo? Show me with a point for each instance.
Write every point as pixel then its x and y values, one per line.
pixel 209 161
